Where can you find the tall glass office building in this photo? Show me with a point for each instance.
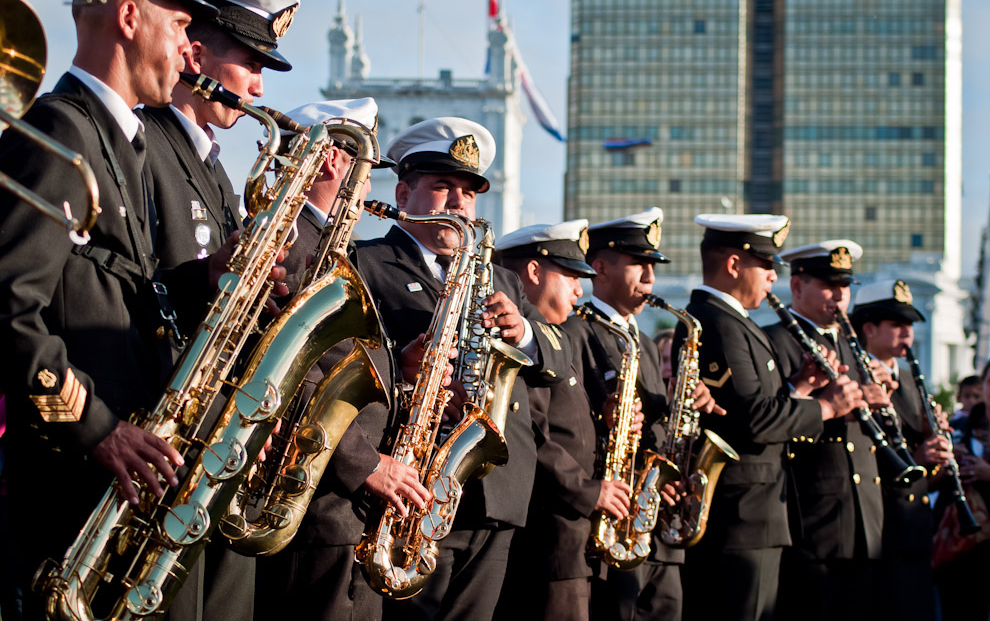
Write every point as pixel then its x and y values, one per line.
pixel 842 114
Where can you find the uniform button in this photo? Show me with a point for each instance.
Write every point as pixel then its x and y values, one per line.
pixel 515 406
pixel 873 449
pixel 924 500
pixel 850 447
pixel 876 480
pixel 803 438
pixel 160 332
pixel 856 478
pixel 791 456
pixel 839 440
pixel 910 497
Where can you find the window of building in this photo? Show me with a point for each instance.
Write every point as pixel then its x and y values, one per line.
pixel 927 159
pixel 699 26
pixel 674 186
pixel 917 79
pixel 893 79
pixel 870 214
pixel 917 240
pixel 623 158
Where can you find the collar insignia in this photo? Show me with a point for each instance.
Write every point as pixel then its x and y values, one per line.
pixel 465 150
pixel 282 21
pixel 841 259
pixel 781 235
pixel 902 293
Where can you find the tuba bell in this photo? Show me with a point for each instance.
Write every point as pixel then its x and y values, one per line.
pixel 23 54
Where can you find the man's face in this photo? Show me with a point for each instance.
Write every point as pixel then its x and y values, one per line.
pixel 816 299
pixel 436 193
pixel 622 281
pixel 239 69
pixel 756 278
pixel 889 338
pixel 970 396
pixel 157 50
pixel 557 292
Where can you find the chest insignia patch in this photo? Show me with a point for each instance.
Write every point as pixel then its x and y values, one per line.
pixel 771 365
pixel 413 287
pixel 197 211
pixel 123 211
pixel 572 381
pixel 203 234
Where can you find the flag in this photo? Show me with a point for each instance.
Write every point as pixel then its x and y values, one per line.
pixel 615 144
pixel 493 8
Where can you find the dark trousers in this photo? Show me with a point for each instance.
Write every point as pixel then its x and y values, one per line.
pixel 220 587
pixel 734 584
pixel 908 587
pixel 827 590
pixel 467 582
pixel 315 583
pixel 650 592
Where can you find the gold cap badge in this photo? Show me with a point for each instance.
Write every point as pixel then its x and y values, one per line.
pixel 781 235
pixel 653 234
pixel 902 293
pixel 841 259
pixel 584 242
pixel 282 21
pixel 465 150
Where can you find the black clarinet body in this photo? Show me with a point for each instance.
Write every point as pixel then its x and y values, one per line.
pixel 967 523
pixel 907 472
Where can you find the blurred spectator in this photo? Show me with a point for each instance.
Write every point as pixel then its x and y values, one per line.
pixel 663 339
pixel 969 393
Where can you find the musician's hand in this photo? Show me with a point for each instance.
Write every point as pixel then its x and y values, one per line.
pixel 942 418
pixel 502 312
pixel 394 481
pixel 411 360
pixel 840 398
pixel 881 373
pixel 704 402
pixel 973 469
pixel 810 377
pixel 130 448
pixel 936 449
pixel 612 404
pixel 263 453
pixel 613 499
pixel 455 406
pixel 673 492
pixel 875 396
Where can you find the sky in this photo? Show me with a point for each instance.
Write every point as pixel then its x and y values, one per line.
pixel 454 35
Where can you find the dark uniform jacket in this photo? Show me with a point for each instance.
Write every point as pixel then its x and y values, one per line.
pixel 406 293
pixel 566 491
pixel 62 312
pixel 835 486
pixel 598 358
pixel 739 365
pixel 197 211
pixel 908 523
pixel 337 512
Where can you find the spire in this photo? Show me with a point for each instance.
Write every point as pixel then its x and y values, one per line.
pixel 340 38
pixel 360 63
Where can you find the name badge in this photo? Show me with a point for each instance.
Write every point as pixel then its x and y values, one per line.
pixel 414 287
pixel 771 365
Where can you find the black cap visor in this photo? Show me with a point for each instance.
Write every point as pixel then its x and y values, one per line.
pixel 574 265
pixel 886 309
pixel 199 9
pixel 269 56
pixel 642 253
pixel 434 162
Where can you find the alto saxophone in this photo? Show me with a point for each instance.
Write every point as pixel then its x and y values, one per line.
pixel 398 555
pixel 683 525
pixel 624 543
pixel 332 304
pixel 147 549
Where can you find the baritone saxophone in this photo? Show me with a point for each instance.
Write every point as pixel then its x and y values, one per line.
pixel 144 552
pixel 683 524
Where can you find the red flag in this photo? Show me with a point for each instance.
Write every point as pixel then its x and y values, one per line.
pixel 493 8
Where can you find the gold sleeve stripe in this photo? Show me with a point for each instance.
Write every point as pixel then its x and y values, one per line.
pixel 65 407
pixel 719 382
pixel 552 333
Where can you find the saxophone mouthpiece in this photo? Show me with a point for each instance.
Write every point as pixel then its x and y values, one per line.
pixel 383 210
pixel 211 90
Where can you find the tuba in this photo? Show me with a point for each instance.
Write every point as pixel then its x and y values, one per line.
pixel 146 550
pixel 398 555
pixel 22 43
pixel 270 504
pixel 684 524
pixel 624 543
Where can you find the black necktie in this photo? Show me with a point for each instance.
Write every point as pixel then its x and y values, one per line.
pixel 139 145
pixel 444 261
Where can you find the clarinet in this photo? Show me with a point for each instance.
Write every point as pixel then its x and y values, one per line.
pixel 895 435
pixel 885 452
pixel 967 523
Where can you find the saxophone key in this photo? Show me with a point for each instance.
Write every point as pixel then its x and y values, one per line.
pixel 186 524
pixel 257 401
pixel 223 460
pixel 144 599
